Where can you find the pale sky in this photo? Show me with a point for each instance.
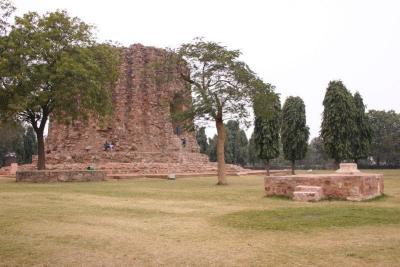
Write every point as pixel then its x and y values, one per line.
pixel 296 45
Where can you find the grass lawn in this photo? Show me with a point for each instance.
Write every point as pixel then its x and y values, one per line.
pixel 192 222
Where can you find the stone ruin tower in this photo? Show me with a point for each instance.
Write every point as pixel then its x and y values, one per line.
pixel 142 130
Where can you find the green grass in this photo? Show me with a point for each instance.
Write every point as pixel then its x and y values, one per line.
pixel 192 222
pixel 308 218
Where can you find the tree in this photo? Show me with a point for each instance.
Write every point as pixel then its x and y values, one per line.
pixel 317 154
pixel 30 145
pixel 53 66
pixel 221 86
pixel 252 152
pixel 295 132
pixel 267 110
pixel 201 138
pixel 11 141
pixel 212 148
pixel 385 144
pixel 361 140
pixel 337 129
pixel 6 9
pixel 235 144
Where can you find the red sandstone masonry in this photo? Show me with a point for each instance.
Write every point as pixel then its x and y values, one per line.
pixel 144 98
pixel 46 176
pixel 356 187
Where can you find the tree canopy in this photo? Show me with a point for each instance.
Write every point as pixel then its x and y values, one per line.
pixel 221 86
pixel 236 151
pixel 338 124
pixel 267 125
pixel 18 140
pixel 361 139
pixel 385 145
pixel 294 132
pixel 52 65
pixel 6 10
pixel 201 139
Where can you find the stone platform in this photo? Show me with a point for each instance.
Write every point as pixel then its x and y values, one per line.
pixel 116 170
pixel 347 183
pixel 46 176
pixel 9 170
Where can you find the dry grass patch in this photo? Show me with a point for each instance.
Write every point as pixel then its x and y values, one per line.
pixel 151 222
pixel 309 218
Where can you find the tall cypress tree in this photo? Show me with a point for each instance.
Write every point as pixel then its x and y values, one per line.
pixel 267 109
pixel 212 148
pixel 338 127
pixel 201 139
pixel 295 132
pixel 235 144
pixel 362 138
pixel 30 145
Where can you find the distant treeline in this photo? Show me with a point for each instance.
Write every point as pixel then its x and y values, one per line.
pixel 384 151
pixel 17 141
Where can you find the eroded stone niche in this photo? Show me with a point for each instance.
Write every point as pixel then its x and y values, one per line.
pixel 142 126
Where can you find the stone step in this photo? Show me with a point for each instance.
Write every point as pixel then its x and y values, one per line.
pixel 306 196
pixel 309 188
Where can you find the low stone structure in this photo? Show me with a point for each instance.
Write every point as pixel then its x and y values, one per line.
pixel 347 183
pixel 45 176
pixel 9 170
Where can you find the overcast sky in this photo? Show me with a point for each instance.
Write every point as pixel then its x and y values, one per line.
pixel 296 45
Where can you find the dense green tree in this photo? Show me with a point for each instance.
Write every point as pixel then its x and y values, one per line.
pixel 361 140
pixel 201 138
pixel 236 151
pixel 267 110
pixel 221 86
pixel 319 155
pixel 252 152
pixel 30 145
pixel 53 66
pixel 11 141
pixel 316 157
pixel 212 148
pixel 294 131
pixel 385 145
pixel 338 124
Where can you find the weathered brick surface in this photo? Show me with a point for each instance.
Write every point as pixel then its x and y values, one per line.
pixel 356 187
pixel 308 193
pixel 9 170
pixel 306 196
pixel 46 176
pixel 141 129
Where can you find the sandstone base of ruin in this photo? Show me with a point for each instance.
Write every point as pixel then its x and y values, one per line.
pixel 46 176
pixel 118 170
pixel 9 170
pixel 351 185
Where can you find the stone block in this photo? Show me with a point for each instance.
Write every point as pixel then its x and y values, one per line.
pixel 306 196
pixel 308 188
pixel 348 168
pixel 346 186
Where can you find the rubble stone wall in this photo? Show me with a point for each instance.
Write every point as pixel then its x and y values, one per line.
pixel 46 176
